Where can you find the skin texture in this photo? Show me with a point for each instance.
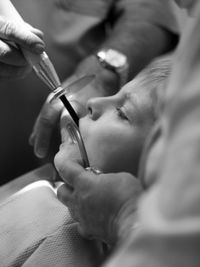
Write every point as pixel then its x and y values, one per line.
pixel 105 216
pixel 169 212
pixel 113 131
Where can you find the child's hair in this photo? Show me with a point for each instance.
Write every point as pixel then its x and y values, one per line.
pixel 153 79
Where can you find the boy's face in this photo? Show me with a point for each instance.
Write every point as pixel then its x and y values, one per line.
pixel 113 131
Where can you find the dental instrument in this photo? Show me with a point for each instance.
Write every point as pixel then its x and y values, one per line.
pixel 76 137
pixel 45 70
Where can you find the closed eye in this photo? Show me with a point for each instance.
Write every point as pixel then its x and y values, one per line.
pixel 121 114
pixel 90 111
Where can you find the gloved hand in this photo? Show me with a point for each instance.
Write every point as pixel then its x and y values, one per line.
pixel 12 62
pixel 45 125
pixel 104 205
pixel 105 83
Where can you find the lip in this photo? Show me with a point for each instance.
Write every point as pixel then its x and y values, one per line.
pixel 71 135
pixel 66 144
pixel 67 133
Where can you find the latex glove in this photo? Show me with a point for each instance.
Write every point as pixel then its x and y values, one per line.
pixel 105 83
pixel 104 205
pixel 47 126
pixel 12 62
pixel 46 123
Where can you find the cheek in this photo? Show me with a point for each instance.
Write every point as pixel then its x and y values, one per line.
pixel 113 148
pixel 96 144
pixel 125 155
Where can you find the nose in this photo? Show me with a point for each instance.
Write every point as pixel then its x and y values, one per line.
pixel 97 106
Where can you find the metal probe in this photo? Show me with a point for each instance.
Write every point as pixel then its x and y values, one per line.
pixel 45 70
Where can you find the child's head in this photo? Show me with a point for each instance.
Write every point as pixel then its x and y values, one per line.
pixel 115 128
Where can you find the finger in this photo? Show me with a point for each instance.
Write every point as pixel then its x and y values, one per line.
pixel 13 72
pixel 11 55
pixel 64 193
pixel 40 137
pixel 36 31
pixel 42 141
pixel 31 139
pixel 21 35
pixel 69 171
pixel 45 124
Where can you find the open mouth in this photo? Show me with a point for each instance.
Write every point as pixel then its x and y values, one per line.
pixel 71 136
